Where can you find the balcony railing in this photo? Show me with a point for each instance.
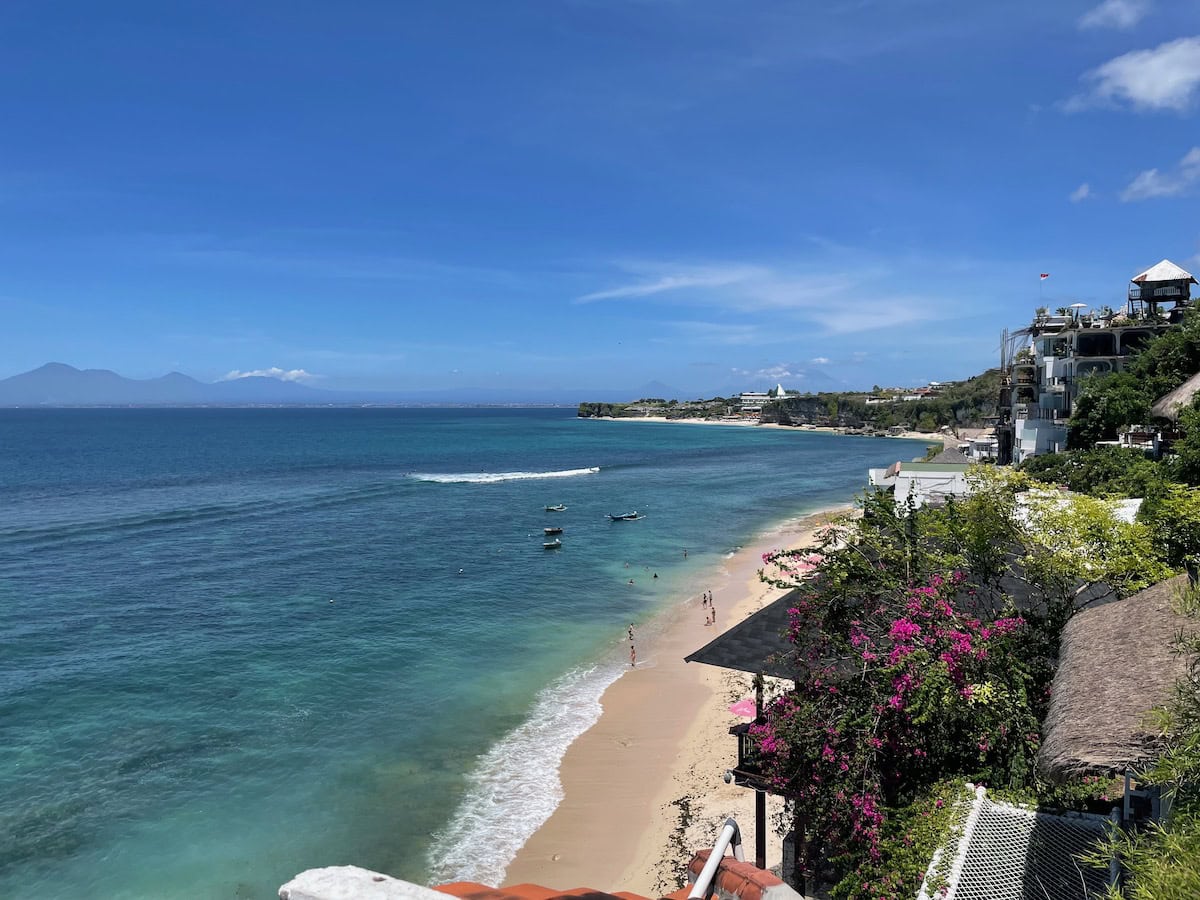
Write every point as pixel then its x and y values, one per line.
pixel 1159 293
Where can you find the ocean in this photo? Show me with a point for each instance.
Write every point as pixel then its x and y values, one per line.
pixel 236 644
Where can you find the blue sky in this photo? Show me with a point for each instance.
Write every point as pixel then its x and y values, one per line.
pixel 582 194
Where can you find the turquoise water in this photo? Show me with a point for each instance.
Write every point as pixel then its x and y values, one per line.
pixel 235 644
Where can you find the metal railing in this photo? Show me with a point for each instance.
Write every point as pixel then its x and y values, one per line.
pixel 730 835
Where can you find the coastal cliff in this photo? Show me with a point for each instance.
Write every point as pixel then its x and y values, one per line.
pixel 967 404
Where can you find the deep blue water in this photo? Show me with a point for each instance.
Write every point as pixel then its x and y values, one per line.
pixel 235 644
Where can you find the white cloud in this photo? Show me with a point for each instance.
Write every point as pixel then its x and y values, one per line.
pixel 1115 14
pixel 781 371
pixel 1081 193
pixel 704 277
pixel 729 286
pixel 1153 183
pixel 820 360
pixel 797 301
pixel 1165 77
pixel 770 373
pixel 273 372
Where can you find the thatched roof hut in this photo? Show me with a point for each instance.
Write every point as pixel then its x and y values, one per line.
pixel 1169 405
pixel 1116 664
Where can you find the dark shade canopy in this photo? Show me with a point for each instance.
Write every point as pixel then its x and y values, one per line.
pixel 758 644
pixel 950 455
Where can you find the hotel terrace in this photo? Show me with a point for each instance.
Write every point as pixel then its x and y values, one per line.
pixel 1042 379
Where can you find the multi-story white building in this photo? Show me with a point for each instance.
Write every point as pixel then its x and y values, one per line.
pixel 1043 380
pixel 752 401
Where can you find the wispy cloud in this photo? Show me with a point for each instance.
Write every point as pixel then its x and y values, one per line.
pixel 1081 193
pixel 890 312
pixel 797 300
pixel 713 277
pixel 820 360
pixel 731 286
pixel 273 372
pixel 1115 14
pixel 1163 78
pixel 735 333
pixel 1153 183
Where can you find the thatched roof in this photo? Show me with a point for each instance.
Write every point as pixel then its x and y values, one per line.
pixel 1168 406
pixel 757 644
pixel 1116 664
pixel 1164 271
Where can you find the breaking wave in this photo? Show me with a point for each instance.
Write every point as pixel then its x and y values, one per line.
pixel 494 477
pixel 515 785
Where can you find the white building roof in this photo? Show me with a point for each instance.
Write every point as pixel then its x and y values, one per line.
pixel 1164 271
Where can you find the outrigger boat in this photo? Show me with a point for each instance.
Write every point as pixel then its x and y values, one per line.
pixel 552 545
pixel 558 508
pixel 552 530
pixel 627 517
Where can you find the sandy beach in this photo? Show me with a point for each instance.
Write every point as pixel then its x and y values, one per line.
pixel 930 437
pixel 643 787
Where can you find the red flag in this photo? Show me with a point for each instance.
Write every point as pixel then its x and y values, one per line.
pixel 1044 276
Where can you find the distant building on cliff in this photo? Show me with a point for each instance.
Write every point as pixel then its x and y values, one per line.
pixel 1041 381
pixel 752 401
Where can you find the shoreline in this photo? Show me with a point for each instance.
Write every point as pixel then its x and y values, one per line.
pixel 930 437
pixel 642 787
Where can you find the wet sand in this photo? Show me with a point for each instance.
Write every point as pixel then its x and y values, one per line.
pixel 643 787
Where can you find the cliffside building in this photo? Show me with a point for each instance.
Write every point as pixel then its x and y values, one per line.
pixel 752 401
pixel 1041 381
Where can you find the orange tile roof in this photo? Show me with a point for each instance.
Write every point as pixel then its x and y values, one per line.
pixel 737 879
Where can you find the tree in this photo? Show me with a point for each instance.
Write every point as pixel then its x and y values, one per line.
pixel 1101 472
pixel 1187 448
pixel 1105 403
pixel 1174 521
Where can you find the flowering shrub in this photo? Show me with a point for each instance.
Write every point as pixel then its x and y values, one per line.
pixel 909 690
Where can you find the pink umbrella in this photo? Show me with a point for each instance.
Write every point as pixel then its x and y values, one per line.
pixel 745 708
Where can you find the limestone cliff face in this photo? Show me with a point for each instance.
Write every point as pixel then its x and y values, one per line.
pixel 812 411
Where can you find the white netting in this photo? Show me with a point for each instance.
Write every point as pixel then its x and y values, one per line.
pixel 1004 852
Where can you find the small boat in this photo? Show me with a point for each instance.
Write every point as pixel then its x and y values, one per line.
pixel 552 530
pixel 552 545
pixel 558 508
pixel 625 517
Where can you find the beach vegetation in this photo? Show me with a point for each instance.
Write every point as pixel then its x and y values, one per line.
pixel 925 646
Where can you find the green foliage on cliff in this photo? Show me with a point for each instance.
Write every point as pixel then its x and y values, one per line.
pixel 1102 472
pixel 1107 402
pixel 601 410
pixel 966 404
pixel 656 406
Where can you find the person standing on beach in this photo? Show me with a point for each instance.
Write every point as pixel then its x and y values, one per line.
pixel 632 657
pixel 712 610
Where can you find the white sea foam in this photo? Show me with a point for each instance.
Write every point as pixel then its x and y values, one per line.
pixel 515 786
pixel 493 477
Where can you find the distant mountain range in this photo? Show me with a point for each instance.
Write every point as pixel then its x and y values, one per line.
pixel 57 384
